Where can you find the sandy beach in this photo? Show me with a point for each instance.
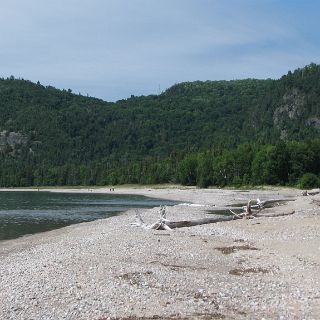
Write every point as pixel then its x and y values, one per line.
pixel 261 268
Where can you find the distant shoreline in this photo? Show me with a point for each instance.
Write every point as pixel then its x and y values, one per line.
pixel 191 194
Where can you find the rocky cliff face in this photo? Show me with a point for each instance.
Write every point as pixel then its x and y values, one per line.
pixel 291 108
pixel 11 141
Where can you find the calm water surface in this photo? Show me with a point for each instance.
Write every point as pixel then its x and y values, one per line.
pixel 31 212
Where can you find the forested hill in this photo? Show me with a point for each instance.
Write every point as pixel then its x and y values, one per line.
pixel 42 128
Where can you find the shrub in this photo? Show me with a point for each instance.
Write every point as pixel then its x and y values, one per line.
pixel 309 180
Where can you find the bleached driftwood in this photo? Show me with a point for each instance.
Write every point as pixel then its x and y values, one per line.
pixel 161 224
pixel 164 224
pixel 251 210
pixel 253 207
pixel 310 192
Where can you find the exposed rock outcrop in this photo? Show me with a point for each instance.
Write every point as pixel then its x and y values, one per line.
pixel 293 103
pixel 12 140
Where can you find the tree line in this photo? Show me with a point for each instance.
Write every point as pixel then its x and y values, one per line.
pixel 284 163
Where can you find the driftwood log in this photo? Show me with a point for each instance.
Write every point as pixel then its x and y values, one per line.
pixel 251 210
pixel 311 192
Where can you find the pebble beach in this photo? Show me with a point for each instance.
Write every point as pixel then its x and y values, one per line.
pixel 261 268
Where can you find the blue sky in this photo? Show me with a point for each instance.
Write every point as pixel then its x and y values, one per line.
pixel 114 48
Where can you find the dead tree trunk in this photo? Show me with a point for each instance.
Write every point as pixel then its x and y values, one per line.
pixel 192 223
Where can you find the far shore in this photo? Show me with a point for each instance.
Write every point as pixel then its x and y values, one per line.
pixel 108 269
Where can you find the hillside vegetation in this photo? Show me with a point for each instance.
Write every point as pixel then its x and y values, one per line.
pixel 213 132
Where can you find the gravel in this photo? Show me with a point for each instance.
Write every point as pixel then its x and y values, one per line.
pixel 107 269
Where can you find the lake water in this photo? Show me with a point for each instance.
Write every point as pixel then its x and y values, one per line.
pixel 24 213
